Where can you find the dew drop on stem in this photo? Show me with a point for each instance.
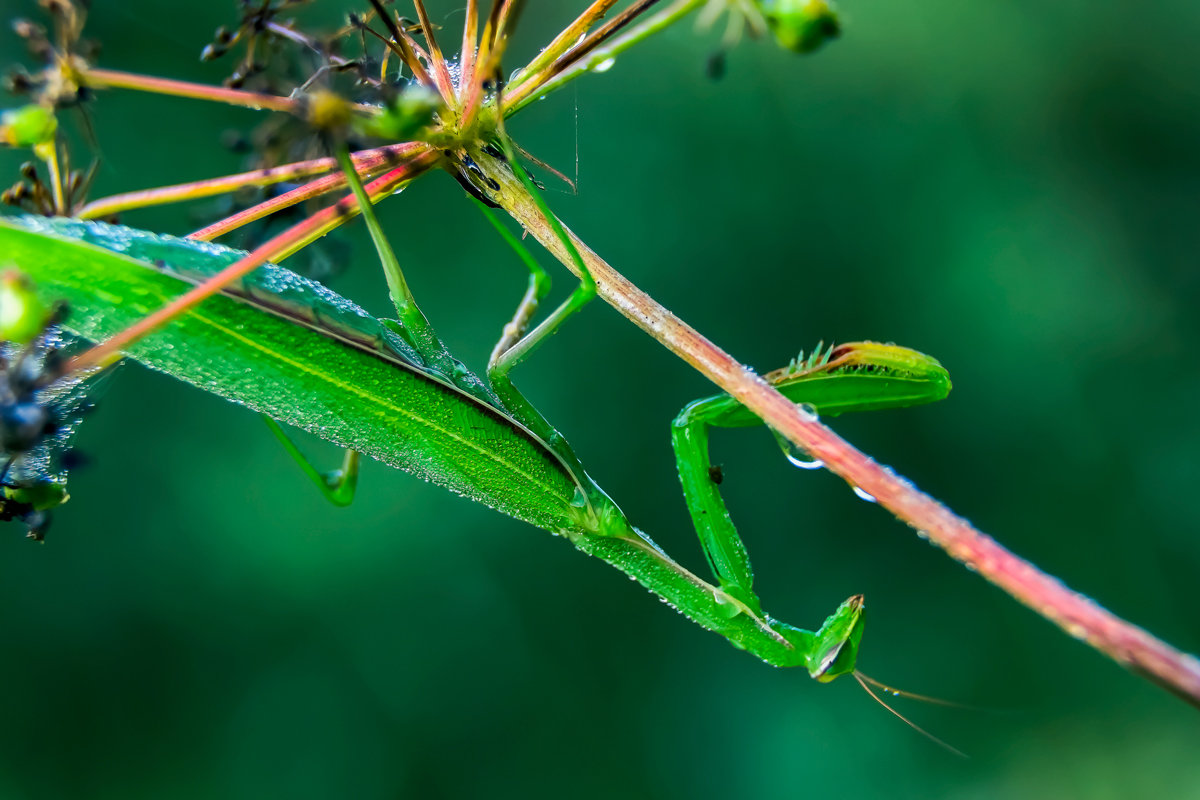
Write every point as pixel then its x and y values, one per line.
pixel 799 457
pixel 863 494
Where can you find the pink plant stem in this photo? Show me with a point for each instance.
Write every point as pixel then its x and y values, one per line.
pixel 108 78
pixel 329 183
pixel 300 194
pixel 1082 618
pixel 117 203
pixel 96 78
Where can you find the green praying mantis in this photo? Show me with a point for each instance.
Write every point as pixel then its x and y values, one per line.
pixel 375 387
pixel 389 389
pixel 300 354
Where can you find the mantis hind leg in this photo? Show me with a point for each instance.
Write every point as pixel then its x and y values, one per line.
pixel 338 486
pixel 827 653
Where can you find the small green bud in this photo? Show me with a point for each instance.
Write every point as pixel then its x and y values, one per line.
pixel 22 315
pixel 327 111
pixel 411 111
pixel 27 126
pixel 802 26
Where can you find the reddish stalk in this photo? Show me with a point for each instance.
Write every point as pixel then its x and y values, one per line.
pixel 473 68
pixel 441 72
pixel 504 20
pixel 117 203
pixel 594 40
pixel 112 79
pixel 564 41
pixel 402 45
pixel 1082 618
pixel 308 191
pixel 466 58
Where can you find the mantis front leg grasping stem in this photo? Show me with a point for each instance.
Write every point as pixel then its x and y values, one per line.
pixel 860 376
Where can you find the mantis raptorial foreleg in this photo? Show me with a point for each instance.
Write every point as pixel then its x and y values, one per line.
pixel 719 538
pixel 852 377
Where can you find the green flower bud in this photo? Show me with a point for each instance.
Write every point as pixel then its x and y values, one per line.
pixel 22 315
pixel 27 126
pixel 802 26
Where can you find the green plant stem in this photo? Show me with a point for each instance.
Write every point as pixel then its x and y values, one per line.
pixel 1081 618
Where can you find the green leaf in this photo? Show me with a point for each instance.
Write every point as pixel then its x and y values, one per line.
pixel 292 349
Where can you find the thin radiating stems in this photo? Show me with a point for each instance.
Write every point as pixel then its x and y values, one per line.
pixel 196 190
pixel 574 64
pixel 441 72
pixel 113 79
pixel 96 78
pixel 562 43
pixel 309 191
pixel 276 249
pixel 470 36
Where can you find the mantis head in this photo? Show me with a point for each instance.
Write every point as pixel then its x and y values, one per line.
pixel 834 649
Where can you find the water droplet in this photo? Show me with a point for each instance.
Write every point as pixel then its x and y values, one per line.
pixel 726 605
pixel 808 411
pixel 863 494
pixel 799 457
pixel 605 65
pixel 579 500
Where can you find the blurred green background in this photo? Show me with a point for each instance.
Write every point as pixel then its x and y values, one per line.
pixel 1010 186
